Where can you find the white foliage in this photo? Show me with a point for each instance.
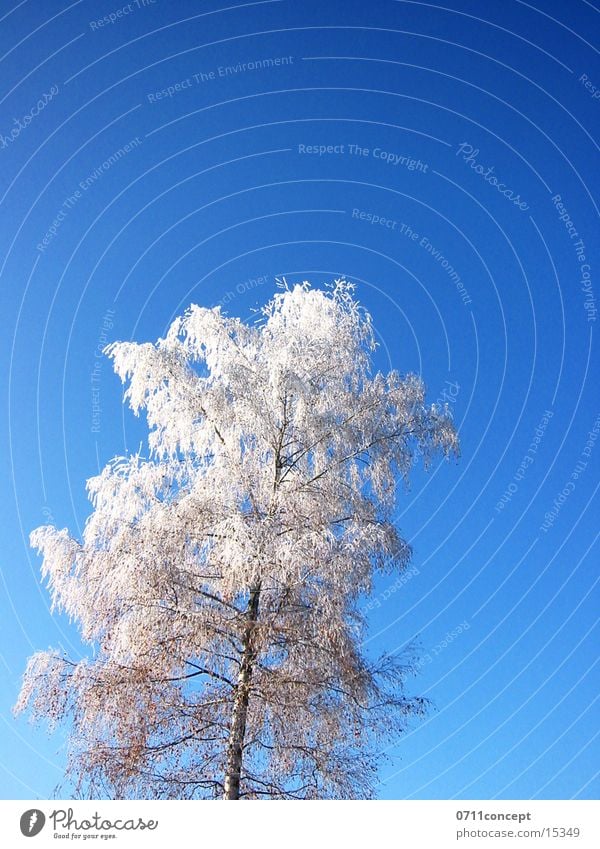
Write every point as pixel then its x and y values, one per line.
pixel 274 459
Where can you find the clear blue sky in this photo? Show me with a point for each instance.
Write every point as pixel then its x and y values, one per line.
pixel 157 178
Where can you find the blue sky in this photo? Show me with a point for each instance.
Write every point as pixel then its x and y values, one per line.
pixel 443 157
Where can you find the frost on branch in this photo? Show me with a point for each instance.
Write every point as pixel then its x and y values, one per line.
pixel 218 579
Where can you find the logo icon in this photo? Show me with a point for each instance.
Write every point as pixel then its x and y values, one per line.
pixel 32 822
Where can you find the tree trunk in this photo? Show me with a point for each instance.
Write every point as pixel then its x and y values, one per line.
pixel 237 731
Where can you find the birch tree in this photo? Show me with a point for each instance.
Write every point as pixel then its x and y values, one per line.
pixel 218 579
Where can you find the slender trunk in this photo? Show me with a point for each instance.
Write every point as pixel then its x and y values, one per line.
pixel 237 731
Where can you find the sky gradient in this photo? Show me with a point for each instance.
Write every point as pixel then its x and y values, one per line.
pixel 442 157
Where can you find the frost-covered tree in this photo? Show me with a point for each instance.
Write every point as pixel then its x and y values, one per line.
pixel 218 580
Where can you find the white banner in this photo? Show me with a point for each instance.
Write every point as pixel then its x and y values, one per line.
pixel 260 825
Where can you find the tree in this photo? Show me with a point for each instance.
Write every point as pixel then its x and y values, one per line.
pixel 218 580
